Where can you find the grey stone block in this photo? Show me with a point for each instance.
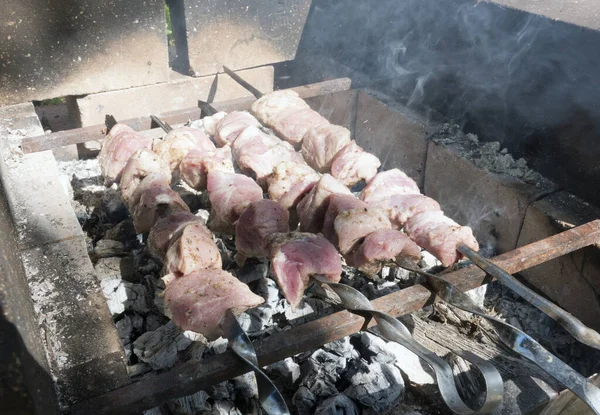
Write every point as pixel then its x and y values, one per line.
pixel 53 48
pixel 338 107
pixel 241 34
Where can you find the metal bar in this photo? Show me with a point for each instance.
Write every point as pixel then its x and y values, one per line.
pixel 162 124
pixel 206 108
pixel 242 82
pixel 572 324
pixel 193 376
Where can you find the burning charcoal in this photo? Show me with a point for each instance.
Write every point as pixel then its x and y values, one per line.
pixel 159 348
pixel 374 290
pixel 106 248
pixel 222 391
pixel 301 313
pixel 153 411
pixel 216 347
pixel 374 349
pixel 256 319
pixel 138 369
pixel 191 404
pixel 224 408
pixel 245 385
pixel 252 271
pixel 122 295
pixel 304 400
pixel 115 268
pixel 153 322
pixel 378 386
pixel 286 370
pixel 341 347
pixel 337 405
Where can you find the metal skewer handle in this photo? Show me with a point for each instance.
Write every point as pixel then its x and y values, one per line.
pixel 268 394
pixel 577 329
pixel 162 124
pixel 243 83
pixel 393 330
pixel 518 341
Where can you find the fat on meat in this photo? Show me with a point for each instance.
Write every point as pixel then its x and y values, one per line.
pixel 290 182
pixel 292 124
pixel 353 164
pixel 230 126
pixel 339 202
pixel 155 200
pixel 193 249
pixel 117 148
pixel 141 164
pixel 210 122
pixel 296 257
pixel 178 142
pixel 380 248
pixel 229 194
pixel 198 301
pixel 269 106
pixel 255 227
pixel 440 235
pixel 312 208
pixel 351 226
pixel 322 143
pixel 388 183
pixel 196 165
pixel 166 230
pixel 401 208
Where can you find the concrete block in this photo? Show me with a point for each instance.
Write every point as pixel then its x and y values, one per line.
pixel 494 205
pixel 180 92
pixel 572 281
pixel 396 137
pixel 241 34
pixel 82 343
pixel 52 48
pixel 338 107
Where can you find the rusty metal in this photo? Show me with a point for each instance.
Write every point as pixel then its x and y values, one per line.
pixel 393 330
pixel 572 324
pixel 242 82
pixel 193 376
pixel 518 341
pixel 162 124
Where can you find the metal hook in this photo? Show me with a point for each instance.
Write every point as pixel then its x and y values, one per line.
pixel 392 329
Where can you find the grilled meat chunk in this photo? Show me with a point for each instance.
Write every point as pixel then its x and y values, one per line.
pixel 339 202
pixel 230 126
pixel 193 249
pixel 292 124
pixel 141 164
pixel 388 183
pixel 167 230
pixel 196 165
pixel 351 226
pixel 352 164
pixel 322 143
pixel 178 142
pixel 401 208
pixel 269 106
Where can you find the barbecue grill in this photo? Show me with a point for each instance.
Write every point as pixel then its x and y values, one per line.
pixel 89 375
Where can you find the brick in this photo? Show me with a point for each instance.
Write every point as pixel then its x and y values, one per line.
pixel 180 92
pixel 51 49
pixel 241 34
pixel 396 137
pixel 494 205
pixel 572 281
pixel 83 346
pixel 338 107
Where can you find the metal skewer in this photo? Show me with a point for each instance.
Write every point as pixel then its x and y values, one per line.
pixel 393 330
pixel 162 124
pixel 573 325
pixel 243 83
pixel 206 108
pixel 518 341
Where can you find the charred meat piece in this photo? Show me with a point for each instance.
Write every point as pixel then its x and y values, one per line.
pixel 255 227
pixel 229 194
pixel 381 248
pixel 312 208
pixel 440 236
pixel 351 226
pixel 230 126
pixel 167 230
pixel 196 165
pixel 269 106
pixel 154 199
pixel 292 124
pixel 388 183
pixel 322 143
pixel 198 301
pixel 401 208
pixel 178 142
pixel 210 123
pixel 194 249
pixel 352 164
pixel 257 153
pixel 117 148
pixel 290 182
pixel 338 203
pixel 296 256
pixel 143 163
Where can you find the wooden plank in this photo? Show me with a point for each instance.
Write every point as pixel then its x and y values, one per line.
pixel 193 376
pixel 97 132
pixel 566 403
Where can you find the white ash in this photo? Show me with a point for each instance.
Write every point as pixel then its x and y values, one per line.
pixel 159 348
pixel 284 373
pixel 191 404
pixel 337 405
pixel 376 386
pixel 122 295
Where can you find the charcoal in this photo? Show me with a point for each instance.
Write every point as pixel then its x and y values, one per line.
pixel 337 405
pixel 428 261
pixel 379 386
pixel 190 197
pixel 107 248
pixel 341 347
pixel 323 363
pixel 224 408
pixel 304 400
pixel 190 405
pixel 222 391
pixel 301 313
pixel 159 348
pixel 125 328
pixel 285 370
pixel 478 295
pixel 252 271
pixel 153 322
pixel 138 369
pixel 245 385
pixel 216 347
pixel 122 295
pixel 256 319
pixel 374 290
pixel 153 411
pixel 115 268
pixel 416 371
pixel 374 349
pixel 203 214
